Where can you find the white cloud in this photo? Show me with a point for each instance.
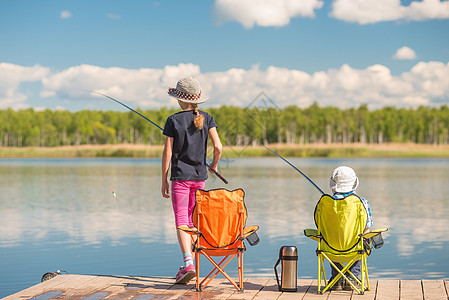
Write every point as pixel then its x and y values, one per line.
pixel 11 76
pixel 65 14
pixel 405 53
pixel 373 11
pixel 144 87
pixel 263 12
pixel 427 83
pixel 431 80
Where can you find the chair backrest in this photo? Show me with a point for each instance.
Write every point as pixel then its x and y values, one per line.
pixel 220 215
pixel 340 221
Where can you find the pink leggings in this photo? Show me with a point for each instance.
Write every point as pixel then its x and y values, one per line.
pixel 183 200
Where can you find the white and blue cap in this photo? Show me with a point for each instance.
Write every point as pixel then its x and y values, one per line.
pixel 343 180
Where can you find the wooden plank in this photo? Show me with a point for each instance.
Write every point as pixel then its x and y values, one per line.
pixel 74 282
pixel 251 288
pixel 304 285
pixel 224 290
pixel 84 286
pixel 411 289
pixel 120 290
pixel 103 286
pixel 206 293
pixel 133 286
pixel 153 287
pixel 387 289
pixel 221 291
pixel 434 289
pixel 269 291
pixel 40 288
pixel 312 292
pixel 368 295
pixel 340 295
pixel 177 290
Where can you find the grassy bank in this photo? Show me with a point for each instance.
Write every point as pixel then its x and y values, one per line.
pixel 84 151
pixel 355 150
pixel 309 150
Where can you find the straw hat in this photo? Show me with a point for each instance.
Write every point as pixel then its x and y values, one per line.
pixel 343 180
pixel 188 90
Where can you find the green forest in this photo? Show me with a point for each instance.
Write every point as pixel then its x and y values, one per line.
pixel 237 126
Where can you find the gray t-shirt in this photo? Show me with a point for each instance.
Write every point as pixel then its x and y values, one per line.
pixel 188 160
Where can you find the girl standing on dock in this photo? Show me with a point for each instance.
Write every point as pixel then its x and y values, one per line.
pixel 185 147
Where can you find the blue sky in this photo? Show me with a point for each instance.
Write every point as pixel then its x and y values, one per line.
pixel 341 52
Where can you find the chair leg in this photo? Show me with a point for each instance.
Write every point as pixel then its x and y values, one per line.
pixel 334 280
pixel 323 271
pixel 319 275
pixel 346 270
pixel 197 269
pixel 221 271
pixel 341 273
pixel 222 264
pixel 240 267
pixel 362 283
pixel 365 272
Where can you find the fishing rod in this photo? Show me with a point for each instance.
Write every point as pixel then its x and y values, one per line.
pixel 121 103
pixel 321 191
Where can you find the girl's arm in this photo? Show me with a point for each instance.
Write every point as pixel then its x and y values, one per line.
pixel 218 147
pixel 166 157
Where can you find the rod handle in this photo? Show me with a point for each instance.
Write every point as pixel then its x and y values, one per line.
pixel 217 174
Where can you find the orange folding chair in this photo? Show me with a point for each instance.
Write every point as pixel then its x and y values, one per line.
pixel 219 217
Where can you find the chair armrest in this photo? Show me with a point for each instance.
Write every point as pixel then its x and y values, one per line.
pixel 373 233
pixel 189 230
pixel 249 233
pixel 374 237
pixel 249 230
pixel 313 234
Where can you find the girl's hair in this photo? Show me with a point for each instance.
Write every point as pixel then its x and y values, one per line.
pixel 199 119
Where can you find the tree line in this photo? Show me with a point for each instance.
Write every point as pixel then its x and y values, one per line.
pixel 237 126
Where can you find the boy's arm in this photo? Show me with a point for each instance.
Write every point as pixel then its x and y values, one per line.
pixel 369 220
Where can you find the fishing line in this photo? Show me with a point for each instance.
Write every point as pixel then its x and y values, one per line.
pixel 126 107
pixel 295 169
pixel 110 98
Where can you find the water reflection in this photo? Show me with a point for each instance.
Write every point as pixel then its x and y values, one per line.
pixel 61 213
pixel 74 199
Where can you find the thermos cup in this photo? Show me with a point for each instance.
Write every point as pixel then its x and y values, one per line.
pixel 288 255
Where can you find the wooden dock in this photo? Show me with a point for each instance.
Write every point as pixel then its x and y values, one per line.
pixel 92 287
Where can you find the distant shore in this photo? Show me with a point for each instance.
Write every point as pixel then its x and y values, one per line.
pixel 393 150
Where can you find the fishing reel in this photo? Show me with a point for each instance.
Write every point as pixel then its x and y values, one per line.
pixel 50 275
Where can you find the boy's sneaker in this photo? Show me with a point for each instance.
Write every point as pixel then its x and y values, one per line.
pixel 347 286
pixel 185 274
pixel 338 286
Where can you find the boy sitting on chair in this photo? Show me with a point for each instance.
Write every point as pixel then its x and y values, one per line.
pixel 344 182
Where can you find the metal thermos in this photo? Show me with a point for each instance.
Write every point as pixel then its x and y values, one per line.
pixel 288 255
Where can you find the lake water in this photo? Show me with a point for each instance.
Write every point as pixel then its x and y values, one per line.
pixel 61 214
